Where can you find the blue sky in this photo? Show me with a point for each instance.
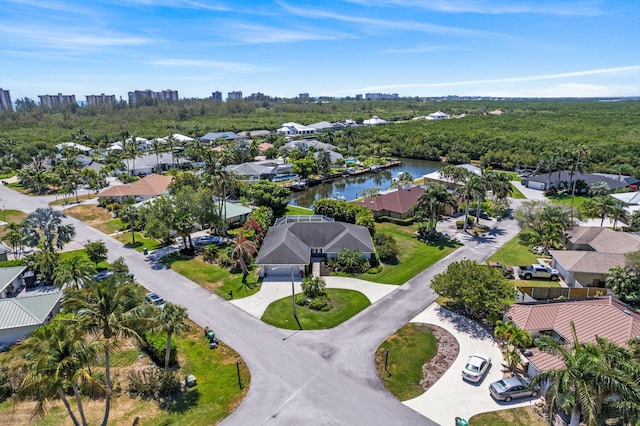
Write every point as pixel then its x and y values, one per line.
pixel 545 48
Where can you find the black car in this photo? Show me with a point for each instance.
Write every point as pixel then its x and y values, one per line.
pixel 511 388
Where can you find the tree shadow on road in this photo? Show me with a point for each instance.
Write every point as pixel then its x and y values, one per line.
pixel 473 329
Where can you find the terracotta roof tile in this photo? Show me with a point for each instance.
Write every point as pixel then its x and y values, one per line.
pixel 399 201
pixel 150 185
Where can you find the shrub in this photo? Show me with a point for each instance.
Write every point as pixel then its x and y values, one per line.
pixel 351 261
pixel 386 247
pixel 321 303
pixel 15 262
pixel 5 385
pixel 302 300
pixel 155 346
pixel 225 261
pixel 152 384
pixel 375 270
pixel 210 253
pixel 313 286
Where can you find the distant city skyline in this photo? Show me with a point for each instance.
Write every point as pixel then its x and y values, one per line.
pixel 332 48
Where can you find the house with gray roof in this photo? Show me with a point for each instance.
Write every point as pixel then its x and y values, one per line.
pixel 546 181
pixel 212 136
pixel 11 280
pixel 304 145
pixel 262 170
pixel 291 245
pixel 591 252
pixel 21 316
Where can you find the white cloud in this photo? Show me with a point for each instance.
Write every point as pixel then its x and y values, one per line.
pixel 69 38
pixel 485 7
pixel 257 34
pixel 218 65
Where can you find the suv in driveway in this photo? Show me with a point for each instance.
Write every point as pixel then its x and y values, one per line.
pixel 205 240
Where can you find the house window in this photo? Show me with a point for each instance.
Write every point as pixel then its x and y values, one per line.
pixel 316 251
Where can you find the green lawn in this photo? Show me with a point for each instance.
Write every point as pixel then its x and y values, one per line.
pixel 415 256
pixel 514 254
pixel 521 416
pixel 566 199
pixel 409 349
pixel 16 216
pixel 212 277
pixel 346 303
pixel 297 211
pixel 516 192
pixel 82 253
pixel 536 283
pixel 141 241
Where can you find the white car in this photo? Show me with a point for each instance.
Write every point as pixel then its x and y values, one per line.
pixel 477 366
pixel 155 300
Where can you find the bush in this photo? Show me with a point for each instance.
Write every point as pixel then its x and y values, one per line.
pixel 396 221
pixel 386 247
pixel 152 384
pixel 375 270
pixel 16 262
pixel 5 385
pixel 210 252
pixel 302 300
pixel 225 261
pixel 321 303
pixel 155 346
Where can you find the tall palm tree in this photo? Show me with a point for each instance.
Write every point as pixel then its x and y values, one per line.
pixel 14 237
pixel 131 215
pixel 500 185
pixel 617 212
pixel 622 283
pixel 44 226
pixel 600 206
pixel 158 146
pixel 218 179
pixel 590 373
pixel 580 153
pixel 431 206
pixel 54 357
pixel 597 189
pixel 349 135
pixel 171 319
pixel 172 143
pixel 110 312
pixel 75 272
pixel 474 188
pixel 131 151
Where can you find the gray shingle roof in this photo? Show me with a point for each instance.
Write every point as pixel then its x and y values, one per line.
pixel 28 310
pixel 291 243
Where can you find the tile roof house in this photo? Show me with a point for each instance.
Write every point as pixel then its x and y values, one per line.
pixel 603 317
pixel 293 243
pixel 148 187
pixel 591 251
pixel 395 203
pixel 20 316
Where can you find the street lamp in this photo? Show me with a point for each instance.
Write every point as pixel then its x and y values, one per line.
pixel 238 364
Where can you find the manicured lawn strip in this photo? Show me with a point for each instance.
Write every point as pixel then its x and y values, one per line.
pixel 16 216
pixel 415 256
pixel 217 393
pixel 346 303
pixel 514 254
pixel 141 241
pixel 212 277
pixel 516 192
pixel 536 283
pixel 566 199
pixel 521 416
pixel 297 211
pixel 409 349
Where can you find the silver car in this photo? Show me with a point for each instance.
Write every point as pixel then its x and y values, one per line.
pixel 512 387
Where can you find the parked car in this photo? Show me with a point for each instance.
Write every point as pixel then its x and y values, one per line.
pixel 205 240
pixel 511 388
pixel 102 275
pixel 155 300
pixel 477 366
pixel 507 271
pixel 539 271
pixel 483 214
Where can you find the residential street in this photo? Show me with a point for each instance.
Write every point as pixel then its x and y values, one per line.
pixel 309 377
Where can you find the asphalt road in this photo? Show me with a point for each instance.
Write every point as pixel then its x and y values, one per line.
pixel 324 377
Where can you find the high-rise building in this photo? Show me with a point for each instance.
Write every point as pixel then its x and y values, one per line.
pixel 59 99
pixel 217 96
pixel 236 95
pixel 164 95
pixel 101 99
pixel 303 96
pixel 5 100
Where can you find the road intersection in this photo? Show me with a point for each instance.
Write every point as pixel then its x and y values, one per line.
pixel 321 377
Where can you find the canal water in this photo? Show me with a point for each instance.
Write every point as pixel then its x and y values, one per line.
pixel 351 187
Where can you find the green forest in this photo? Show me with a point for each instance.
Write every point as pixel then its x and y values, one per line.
pixel 519 137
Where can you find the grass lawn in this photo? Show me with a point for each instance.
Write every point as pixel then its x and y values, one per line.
pixel 297 211
pixel 215 396
pixel 521 416
pixel 346 303
pixel 141 241
pixel 82 253
pixel 516 192
pixel 409 349
pixel 536 283
pixel 212 277
pixel 415 256
pixel 96 217
pixel 514 254
pixel 566 199
pixel 15 216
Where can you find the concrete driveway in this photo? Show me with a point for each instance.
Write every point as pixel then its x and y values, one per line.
pixel 451 396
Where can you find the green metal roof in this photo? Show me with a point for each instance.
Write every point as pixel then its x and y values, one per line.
pixel 27 310
pixel 8 274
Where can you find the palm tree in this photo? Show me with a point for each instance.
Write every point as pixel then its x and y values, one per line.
pixel 590 373
pixel 44 226
pixel 617 212
pixel 218 179
pixel 172 142
pixel 313 286
pixel 500 185
pixel 581 152
pixel 110 312
pixel 349 135
pixel 43 263
pixel 171 319
pixel 130 215
pixel 75 271
pixel 515 338
pixel 54 357
pixel 599 206
pixel 14 237
pixel 598 189
pixel 158 147
pixel 131 151
pixel 431 206
pixel 243 249
pixel 622 282
pixel 474 188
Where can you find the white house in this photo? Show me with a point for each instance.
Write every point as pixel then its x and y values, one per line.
pixel 21 316
pixel 374 121
pixel 631 201
pixel 438 115
pixel 296 129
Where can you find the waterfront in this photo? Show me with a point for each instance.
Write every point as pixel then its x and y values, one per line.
pixel 352 186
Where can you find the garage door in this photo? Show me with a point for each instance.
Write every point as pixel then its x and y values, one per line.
pixel 536 185
pixel 280 270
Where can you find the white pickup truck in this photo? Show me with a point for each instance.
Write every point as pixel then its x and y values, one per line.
pixel 539 271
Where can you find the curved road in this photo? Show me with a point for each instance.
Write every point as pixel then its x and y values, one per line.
pixel 322 377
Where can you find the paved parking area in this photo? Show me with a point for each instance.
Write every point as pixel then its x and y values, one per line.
pixel 451 396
